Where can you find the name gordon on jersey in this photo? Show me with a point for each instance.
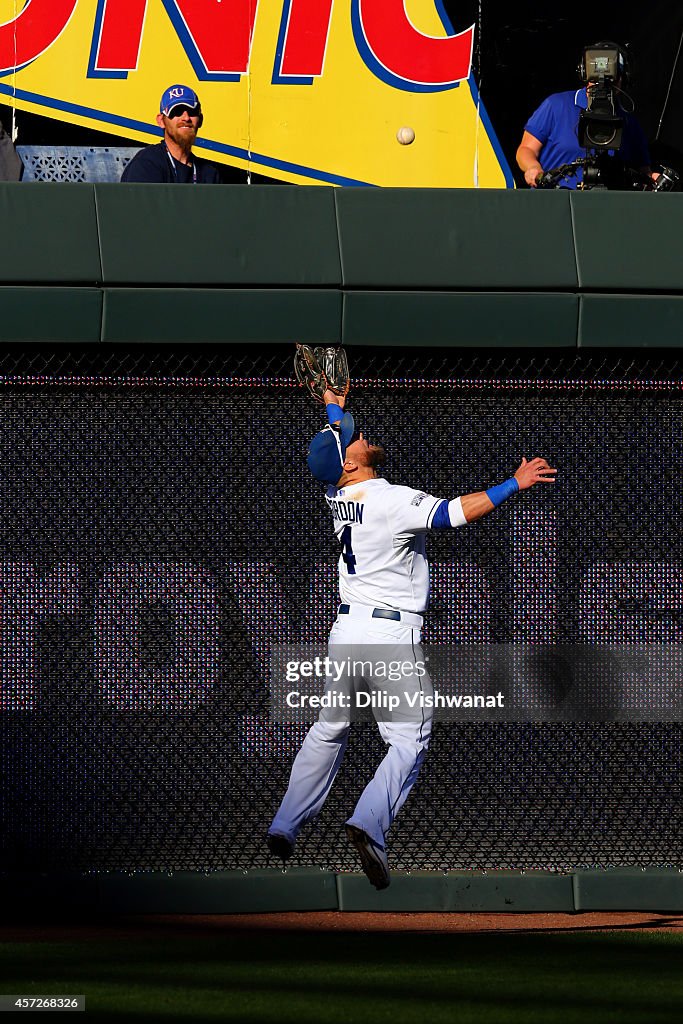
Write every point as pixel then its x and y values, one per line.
pixel 346 511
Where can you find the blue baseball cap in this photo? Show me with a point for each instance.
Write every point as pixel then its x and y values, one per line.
pixel 179 96
pixel 328 450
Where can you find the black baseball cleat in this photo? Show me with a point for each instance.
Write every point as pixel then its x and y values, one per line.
pixel 279 845
pixel 373 857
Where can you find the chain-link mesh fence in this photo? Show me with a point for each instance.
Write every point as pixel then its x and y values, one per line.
pixel 160 532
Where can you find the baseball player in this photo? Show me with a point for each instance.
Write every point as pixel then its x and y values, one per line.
pixel 384 588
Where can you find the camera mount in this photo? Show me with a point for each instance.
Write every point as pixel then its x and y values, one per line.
pixel 603 171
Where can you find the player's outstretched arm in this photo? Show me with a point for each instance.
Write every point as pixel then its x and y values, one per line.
pixel 479 504
pixel 334 406
pixel 330 398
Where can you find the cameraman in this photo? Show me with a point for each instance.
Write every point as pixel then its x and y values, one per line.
pixel 551 139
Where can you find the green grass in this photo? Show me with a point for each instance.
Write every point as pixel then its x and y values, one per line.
pixel 295 978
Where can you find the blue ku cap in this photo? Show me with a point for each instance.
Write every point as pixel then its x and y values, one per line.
pixel 178 96
pixel 328 450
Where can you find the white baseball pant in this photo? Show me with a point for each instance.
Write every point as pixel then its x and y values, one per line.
pixel 406 733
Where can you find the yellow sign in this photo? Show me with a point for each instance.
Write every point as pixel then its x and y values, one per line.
pixel 374 92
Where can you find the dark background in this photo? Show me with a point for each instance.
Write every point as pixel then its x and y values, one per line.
pixel 524 52
pixel 199 458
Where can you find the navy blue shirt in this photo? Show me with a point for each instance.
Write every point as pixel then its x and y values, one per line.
pixel 155 164
pixel 556 122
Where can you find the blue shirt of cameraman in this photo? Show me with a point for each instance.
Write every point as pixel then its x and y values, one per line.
pixel 556 123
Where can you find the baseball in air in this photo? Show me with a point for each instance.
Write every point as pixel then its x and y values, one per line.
pixel 405 135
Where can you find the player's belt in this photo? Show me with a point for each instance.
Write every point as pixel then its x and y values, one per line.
pixel 377 613
pixel 382 613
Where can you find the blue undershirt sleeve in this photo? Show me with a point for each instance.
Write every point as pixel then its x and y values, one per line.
pixel 441 519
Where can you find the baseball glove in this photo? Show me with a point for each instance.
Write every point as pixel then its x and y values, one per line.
pixel 321 368
pixel 335 366
pixel 309 372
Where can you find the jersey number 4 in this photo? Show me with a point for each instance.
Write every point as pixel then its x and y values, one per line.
pixel 347 551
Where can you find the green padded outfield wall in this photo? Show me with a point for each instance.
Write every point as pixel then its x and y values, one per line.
pixel 247 265
pixel 49 264
pixel 275 264
pixel 228 315
pixel 455 238
pixel 630 268
pixel 224 235
pixel 465 265
pixel 50 234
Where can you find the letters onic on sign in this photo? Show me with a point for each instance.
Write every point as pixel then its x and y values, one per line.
pixel 217 37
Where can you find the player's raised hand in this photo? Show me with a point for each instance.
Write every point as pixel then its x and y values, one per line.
pixel 535 472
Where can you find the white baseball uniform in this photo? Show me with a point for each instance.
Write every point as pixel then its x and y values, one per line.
pixel 382 569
